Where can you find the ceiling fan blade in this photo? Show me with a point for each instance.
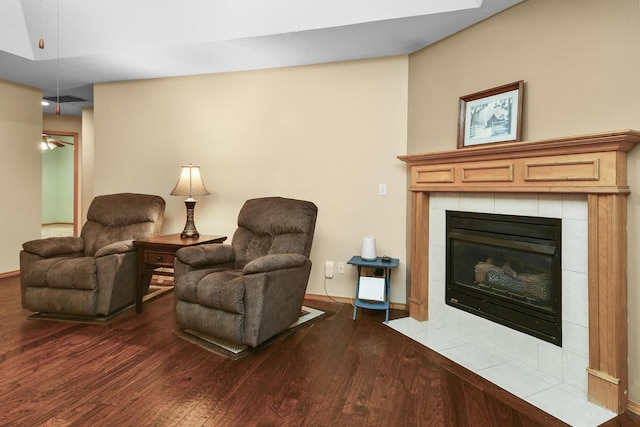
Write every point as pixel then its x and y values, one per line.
pixel 55 142
pixel 58 143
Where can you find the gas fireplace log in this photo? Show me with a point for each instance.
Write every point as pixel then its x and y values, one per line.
pixel 532 285
pixel 505 281
pixel 538 285
pixel 483 267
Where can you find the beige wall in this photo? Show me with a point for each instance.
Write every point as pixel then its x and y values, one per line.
pixel 580 61
pixel 20 170
pixel 63 123
pixel 86 164
pixel 326 133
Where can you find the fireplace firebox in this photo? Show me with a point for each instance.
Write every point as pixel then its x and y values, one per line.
pixel 507 269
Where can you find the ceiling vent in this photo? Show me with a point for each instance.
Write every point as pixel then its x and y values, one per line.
pixel 65 98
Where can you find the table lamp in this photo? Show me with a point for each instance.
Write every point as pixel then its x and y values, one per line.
pixel 190 184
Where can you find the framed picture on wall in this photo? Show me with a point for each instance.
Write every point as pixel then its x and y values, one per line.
pixel 490 116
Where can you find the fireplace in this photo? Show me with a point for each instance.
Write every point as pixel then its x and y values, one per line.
pixel 594 165
pixel 507 269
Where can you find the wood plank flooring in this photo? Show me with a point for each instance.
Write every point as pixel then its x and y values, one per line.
pixel 135 372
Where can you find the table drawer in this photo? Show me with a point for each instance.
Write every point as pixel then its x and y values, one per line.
pixel 159 259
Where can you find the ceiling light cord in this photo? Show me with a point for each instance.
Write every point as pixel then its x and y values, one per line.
pixel 41 41
pixel 57 57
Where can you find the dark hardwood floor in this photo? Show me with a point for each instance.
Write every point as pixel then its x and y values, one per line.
pixel 134 371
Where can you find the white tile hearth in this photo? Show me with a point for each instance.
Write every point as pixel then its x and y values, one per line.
pixel 561 400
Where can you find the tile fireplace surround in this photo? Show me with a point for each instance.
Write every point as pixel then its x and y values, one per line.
pixel 571 170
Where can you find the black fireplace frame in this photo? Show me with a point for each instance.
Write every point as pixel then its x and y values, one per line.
pixel 543 236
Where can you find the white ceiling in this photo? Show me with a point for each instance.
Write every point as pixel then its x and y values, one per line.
pixel 95 41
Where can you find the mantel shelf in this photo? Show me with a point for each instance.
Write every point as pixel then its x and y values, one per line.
pixel 594 163
pixel 623 140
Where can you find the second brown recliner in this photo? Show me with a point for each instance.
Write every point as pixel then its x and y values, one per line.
pixel 252 289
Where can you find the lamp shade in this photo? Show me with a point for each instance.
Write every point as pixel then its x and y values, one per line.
pixel 190 183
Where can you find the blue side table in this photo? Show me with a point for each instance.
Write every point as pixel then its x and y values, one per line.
pixel 377 264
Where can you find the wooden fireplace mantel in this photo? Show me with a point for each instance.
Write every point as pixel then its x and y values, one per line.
pixel 595 165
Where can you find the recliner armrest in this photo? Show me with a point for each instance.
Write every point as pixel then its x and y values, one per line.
pixel 274 262
pixel 54 246
pixel 115 248
pixel 206 255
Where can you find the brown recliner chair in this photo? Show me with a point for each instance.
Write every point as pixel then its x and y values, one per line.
pixel 95 274
pixel 252 289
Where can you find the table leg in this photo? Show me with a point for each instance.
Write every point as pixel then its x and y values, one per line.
pixel 143 279
pixel 355 308
pixel 142 284
pixel 387 279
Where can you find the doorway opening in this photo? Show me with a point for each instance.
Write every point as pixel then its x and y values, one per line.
pixel 59 184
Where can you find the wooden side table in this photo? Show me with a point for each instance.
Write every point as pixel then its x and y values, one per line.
pixel 158 252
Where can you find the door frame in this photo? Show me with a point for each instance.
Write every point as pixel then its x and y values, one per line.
pixel 74 135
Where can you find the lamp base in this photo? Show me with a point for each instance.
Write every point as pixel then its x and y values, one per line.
pixel 190 226
pixel 188 233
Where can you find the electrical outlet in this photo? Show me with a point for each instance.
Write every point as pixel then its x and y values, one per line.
pixel 328 269
pixel 382 189
pixel 340 267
